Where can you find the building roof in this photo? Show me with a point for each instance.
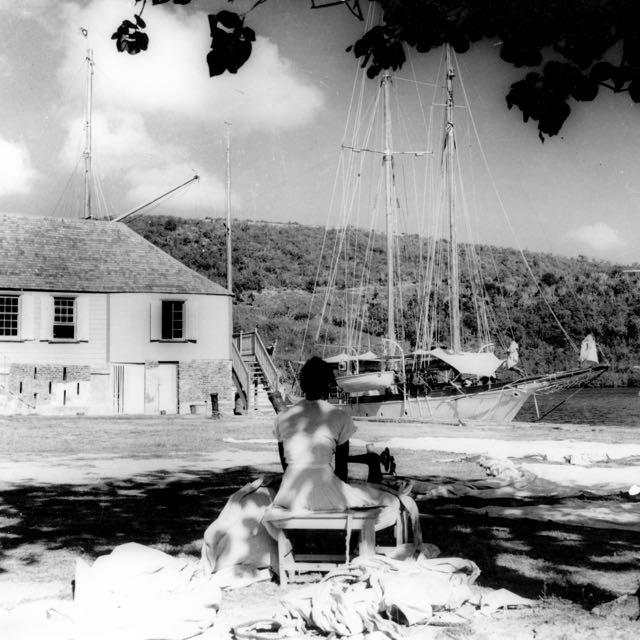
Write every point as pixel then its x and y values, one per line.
pixel 67 254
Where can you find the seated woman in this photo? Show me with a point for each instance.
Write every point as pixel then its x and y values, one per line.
pixel 313 442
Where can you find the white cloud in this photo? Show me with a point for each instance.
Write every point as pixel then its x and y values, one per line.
pixel 597 237
pixel 16 172
pixel 171 78
pixel 120 141
pixel 148 108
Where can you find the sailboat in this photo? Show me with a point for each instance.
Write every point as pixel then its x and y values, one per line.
pixel 431 381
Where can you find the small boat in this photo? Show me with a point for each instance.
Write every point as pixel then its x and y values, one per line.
pixel 372 382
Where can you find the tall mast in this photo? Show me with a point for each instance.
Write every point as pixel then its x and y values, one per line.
pixel 228 193
pixel 87 137
pixel 387 161
pixel 454 274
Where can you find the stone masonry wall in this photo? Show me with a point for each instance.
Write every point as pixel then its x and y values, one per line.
pixel 198 379
pixel 50 386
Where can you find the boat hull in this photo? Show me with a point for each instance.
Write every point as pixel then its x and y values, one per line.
pixel 373 381
pixel 498 405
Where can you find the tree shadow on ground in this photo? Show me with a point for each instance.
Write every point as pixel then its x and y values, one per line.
pixel 171 511
pixel 534 558
pixel 168 510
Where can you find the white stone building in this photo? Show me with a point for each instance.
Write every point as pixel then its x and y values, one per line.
pixel 94 319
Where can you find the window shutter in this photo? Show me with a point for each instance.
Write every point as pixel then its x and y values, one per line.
pixel 191 313
pixel 27 317
pixel 155 320
pixel 82 318
pixel 46 317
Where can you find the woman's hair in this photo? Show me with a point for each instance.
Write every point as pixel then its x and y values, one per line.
pixel 316 378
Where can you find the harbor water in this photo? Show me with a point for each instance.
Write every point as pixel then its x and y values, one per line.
pixel 593 406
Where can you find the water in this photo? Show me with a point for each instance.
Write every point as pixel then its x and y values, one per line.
pixel 588 406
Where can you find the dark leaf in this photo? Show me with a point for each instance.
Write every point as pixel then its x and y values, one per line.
pixel 229 20
pixel 634 90
pixel 585 88
pixel 602 71
pixel 373 71
pixel 247 34
pixel 140 22
pixel 238 54
pixel 143 41
pixel 216 65
pixel 158 1
pixel 460 44
pixel 127 24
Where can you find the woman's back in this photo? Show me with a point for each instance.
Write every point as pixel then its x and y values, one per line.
pixel 310 432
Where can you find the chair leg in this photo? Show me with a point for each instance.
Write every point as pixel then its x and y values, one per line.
pixel 368 538
pixel 283 547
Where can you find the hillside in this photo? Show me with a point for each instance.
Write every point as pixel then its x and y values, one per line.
pixel 275 268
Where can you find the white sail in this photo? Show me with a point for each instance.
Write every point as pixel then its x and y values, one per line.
pixel 588 350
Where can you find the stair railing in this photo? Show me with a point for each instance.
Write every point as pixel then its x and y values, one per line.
pixel 241 371
pixel 266 363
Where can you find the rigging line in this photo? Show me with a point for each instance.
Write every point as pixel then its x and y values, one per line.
pixel 473 263
pixel 66 186
pixel 571 289
pixel 415 81
pixel 318 268
pixel 504 212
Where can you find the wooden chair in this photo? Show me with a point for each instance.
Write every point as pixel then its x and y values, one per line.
pixel 361 520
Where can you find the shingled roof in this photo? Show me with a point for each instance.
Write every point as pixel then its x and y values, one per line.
pixel 66 254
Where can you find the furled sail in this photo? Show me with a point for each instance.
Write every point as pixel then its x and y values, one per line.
pixel 475 364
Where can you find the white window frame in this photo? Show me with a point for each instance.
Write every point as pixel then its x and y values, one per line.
pixel 16 337
pixel 74 308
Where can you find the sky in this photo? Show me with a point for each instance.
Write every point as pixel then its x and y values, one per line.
pixel 158 119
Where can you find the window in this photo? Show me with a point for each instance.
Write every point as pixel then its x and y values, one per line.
pixel 64 318
pixel 9 315
pixel 172 320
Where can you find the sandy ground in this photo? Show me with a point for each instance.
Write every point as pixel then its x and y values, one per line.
pixel 77 487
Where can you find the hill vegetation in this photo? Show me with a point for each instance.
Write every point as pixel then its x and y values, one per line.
pixel 275 268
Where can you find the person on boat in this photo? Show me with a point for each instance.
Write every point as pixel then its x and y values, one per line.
pixel 513 358
pixel 313 444
pixel 418 384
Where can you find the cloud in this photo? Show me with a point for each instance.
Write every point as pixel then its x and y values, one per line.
pixel 16 172
pixel 597 237
pixel 157 112
pixel 120 142
pixel 171 78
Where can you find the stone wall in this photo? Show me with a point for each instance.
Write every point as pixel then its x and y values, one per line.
pixel 198 379
pixel 57 387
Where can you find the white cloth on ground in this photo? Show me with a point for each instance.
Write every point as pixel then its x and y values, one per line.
pixel 420 590
pixel 236 544
pixel 141 593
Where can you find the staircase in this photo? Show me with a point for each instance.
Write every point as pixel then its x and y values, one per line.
pixel 254 372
